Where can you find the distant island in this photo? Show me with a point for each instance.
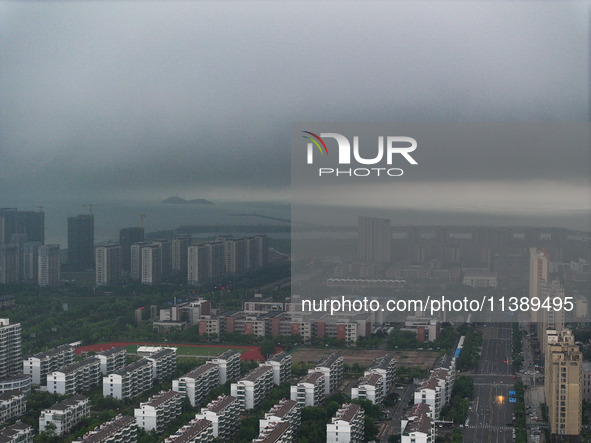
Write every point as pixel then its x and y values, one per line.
pixel 182 201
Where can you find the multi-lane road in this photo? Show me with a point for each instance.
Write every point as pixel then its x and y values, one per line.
pixel 490 417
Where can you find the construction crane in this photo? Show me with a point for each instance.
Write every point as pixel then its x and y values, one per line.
pixel 89 206
pixel 41 208
pixel 141 216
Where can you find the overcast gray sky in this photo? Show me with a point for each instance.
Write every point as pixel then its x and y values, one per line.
pixel 143 99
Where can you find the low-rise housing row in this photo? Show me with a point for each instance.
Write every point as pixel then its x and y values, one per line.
pixel 17 433
pixel 347 425
pixel 309 390
pixel 276 432
pixel 254 387
pixel 332 367
pixel 286 411
pixel 121 429
pixel 130 381
pixel 197 431
pixel 159 411
pixel 228 365
pixel 281 364
pixel 65 415
pixel 112 360
pixel 16 382
pixel 386 367
pixel 224 415
pixel 13 404
pixel 75 377
pixel 41 364
pixel 198 383
pixel 369 387
pixel 417 425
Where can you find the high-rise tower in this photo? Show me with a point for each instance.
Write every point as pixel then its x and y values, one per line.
pixel 375 236
pixel 81 242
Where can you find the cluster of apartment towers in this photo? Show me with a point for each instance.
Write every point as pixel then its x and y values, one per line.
pixel 57 371
pixel 25 258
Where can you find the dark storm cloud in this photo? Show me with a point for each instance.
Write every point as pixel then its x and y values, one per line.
pixel 99 98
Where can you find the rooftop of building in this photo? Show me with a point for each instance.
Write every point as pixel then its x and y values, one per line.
pixel 161 398
pixel 371 380
pixel 14 377
pixel 228 354
pixel 418 409
pixel 68 403
pixel 328 360
pixel 347 412
pixel 421 423
pixel 282 408
pixel 197 372
pixel 112 351
pixel 383 362
pixel 312 377
pixel 220 403
pixel 11 394
pixel 165 352
pixel 100 433
pixel 187 433
pixel 133 367
pixel 257 373
pixel 280 357
pixel 430 383
pixel 9 432
pixel 79 364
pixel 53 352
pixel 273 432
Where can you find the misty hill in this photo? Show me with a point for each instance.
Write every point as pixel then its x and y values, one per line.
pixel 182 201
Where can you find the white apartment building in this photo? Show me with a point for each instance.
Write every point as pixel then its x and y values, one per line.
pixel 10 347
pixel 75 377
pixel 229 366
pixel 198 383
pixel 252 389
pixel 108 264
pixel 41 364
pixel 197 431
pixel 369 387
pixel 112 360
pixel 163 363
pixel 347 425
pixel 151 261
pixel 65 415
pixel 386 367
pixel 17 382
pixel 17 433
pixel 287 411
pixel 121 429
pixel 48 265
pixel 430 393
pixel 224 415
pixel 12 404
pixel 281 364
pixel 159 411
pixel 309 391
pixel 417 426
pixel 332 368
pixel 130 381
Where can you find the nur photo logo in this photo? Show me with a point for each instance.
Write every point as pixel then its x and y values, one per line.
pixel 389 149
